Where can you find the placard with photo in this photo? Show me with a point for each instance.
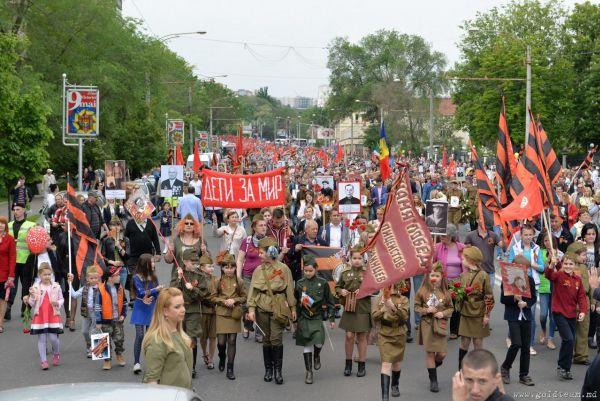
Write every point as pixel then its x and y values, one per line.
pixel 171 181
pixel 349 197
pixel 323 182
pixel 100 346
pixel 514 279
pixel 460 174
pixel 436 216
pixel 114 178
pixel 139 206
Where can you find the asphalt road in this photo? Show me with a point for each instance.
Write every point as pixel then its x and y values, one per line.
pixel 19 367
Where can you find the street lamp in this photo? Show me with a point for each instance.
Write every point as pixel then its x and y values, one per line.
pixel 210 129
pixel 170 36
pixel 527 80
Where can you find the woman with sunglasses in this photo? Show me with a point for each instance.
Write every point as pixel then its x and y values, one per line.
pixel 188 235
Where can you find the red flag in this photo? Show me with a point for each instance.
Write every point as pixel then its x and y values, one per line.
pixel 215 162
pixel 451 170
pixel 402 247
pixel 239 148
pixel 339 155
pixel 526 205
pixel 197 162
pixel 444 161
pixel 179 155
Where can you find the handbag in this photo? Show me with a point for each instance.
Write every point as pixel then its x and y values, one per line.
pixel 281 311
pixel 440 327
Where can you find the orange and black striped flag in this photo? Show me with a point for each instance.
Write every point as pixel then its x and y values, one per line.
pixel 506 163
pixel 85 245
pixel 487 200
pixel 587 163
pixel 549 158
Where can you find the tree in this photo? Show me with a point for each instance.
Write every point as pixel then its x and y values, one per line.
pixel 386 70
pixel 24 134
pixel 494 46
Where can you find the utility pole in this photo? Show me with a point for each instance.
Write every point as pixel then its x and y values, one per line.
pixel 352 134
pixel 210 129
pixel 528 94
pixel 190 113
pixel 430 123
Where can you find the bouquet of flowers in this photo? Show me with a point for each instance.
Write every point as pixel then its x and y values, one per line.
pixel 458 293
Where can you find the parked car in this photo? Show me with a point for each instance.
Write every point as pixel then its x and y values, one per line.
pixel 100 391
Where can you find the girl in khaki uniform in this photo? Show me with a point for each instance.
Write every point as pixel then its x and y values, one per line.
pixel 229 297
pixel 391 311
pixel 271 304
pixel 434 303
pixel 208 338
pixel 477 305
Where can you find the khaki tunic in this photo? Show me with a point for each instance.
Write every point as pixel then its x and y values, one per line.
pixel 454 213
pixel 581 350
pixel 169 367
pixel 191 300
pixel 310 329
pixel 229 288
pixel 433 342
pixel 392 333
pixel 359 321
pixel 209 319
pixel 473 306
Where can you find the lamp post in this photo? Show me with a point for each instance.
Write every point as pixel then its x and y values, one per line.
pixel 170 36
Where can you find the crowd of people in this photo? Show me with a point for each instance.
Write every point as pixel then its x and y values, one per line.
pixel 266 284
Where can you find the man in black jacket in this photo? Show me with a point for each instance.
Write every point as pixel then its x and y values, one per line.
pixel 143 238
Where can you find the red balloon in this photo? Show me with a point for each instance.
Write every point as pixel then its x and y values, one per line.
pixel 36 239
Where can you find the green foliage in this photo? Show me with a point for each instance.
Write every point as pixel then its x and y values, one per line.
pixel 563 80
pixel 24 134
pixel 390 71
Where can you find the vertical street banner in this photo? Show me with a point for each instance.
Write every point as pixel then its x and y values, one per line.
pixel 82 112
pixel 175 131
pixel 203 141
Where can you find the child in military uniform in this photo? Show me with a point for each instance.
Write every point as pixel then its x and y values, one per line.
pixel 581 350
pixel 434 303
pixel 208 338
pixel 194 286
pixel 391 311
pixel 312 297
pixel 356 320
pixel 271 304
pixel 477 305
pixel 230 295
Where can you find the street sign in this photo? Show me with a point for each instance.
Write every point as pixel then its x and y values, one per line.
pixel 82 112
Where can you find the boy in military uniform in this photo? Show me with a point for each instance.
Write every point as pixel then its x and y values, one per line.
pixel 477 305
pixel 229 297
pixel 271 304
pixel 194 286
pixel 391 311
pixel 312 297
pixel 433 302
pixel 356 320
pixel 581 350
pixel 208 338
pixel 455 197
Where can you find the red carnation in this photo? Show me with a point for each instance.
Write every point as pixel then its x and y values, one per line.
pixel 452 295
pixel 468 289
pixel 25 331
pixel 456 284
pixel 362 227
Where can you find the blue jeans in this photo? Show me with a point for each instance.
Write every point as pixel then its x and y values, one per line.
pixel 545 312
pixel 566 328
pixel 492 280
pixel 416 284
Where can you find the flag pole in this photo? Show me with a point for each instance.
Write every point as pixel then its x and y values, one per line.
pixel 69 246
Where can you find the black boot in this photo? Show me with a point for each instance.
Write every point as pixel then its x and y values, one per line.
pixel 461 355
pixel 7 313
pixel 268 358
pixel 194 357
pixel 229 373
pixel 222 357
pixel 433 384
pixel 278 358
pixel 395 383
pixel 361 369
pixel 348 368
pixel 317 358
pixel 385 387
pixel 308 365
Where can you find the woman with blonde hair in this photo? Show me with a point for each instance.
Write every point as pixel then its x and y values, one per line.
pixel 167 349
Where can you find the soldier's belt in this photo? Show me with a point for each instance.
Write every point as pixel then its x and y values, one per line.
pixel 274 292
pixel 387 323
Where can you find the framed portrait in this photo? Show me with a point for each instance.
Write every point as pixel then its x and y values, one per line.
pixel 323 182
pixel 460 174
pixel 171 181
pixel 139 206
pixel 114 176
pixel 436 217
pixel 514 279
pixel 349 197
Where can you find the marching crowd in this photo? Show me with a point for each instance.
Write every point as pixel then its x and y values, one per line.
pixel 266 284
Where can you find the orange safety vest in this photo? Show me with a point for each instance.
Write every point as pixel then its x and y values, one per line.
pixel 107 312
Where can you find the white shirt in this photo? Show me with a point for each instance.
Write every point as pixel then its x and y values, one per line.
pixel 335 235
pixel 197 185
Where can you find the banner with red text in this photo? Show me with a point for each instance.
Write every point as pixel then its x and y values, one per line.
pixel 402 247
pixel 243 190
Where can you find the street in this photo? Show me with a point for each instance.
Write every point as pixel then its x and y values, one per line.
pixel 21 366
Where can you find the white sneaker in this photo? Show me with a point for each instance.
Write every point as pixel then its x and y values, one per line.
pixel 508 342
pixel 532 351
pixel 137 368
pixel 89 353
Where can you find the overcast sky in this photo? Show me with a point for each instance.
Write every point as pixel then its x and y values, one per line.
pixel 302 28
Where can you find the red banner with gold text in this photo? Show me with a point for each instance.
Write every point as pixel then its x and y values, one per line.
pixel 402 247
pixel 243 190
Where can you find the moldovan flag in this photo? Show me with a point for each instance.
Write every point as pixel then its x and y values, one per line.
pixel 384 154
pixel 402 247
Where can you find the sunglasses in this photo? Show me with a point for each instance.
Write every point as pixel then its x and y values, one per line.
pixel 189 223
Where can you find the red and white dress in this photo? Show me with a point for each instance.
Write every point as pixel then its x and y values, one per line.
pixel 45 321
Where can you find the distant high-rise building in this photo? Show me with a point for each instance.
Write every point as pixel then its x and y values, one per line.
pixel 322 95
pixel 298 102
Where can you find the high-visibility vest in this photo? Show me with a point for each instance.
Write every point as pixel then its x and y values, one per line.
pixel 22 249
pixel 107 303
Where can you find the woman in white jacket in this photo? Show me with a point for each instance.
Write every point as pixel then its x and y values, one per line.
pixel 231 234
